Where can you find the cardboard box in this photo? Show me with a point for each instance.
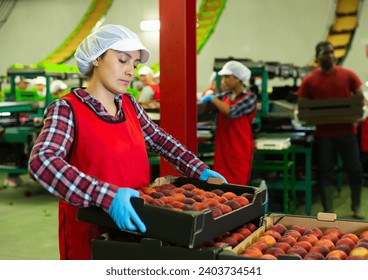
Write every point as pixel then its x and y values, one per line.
pixel 329 111
pixel 187 228
pixel 322 221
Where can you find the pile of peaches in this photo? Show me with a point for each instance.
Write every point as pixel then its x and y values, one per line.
pixel 190 198
pixel 309 244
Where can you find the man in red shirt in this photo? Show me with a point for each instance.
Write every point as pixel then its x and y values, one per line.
pixel 330 81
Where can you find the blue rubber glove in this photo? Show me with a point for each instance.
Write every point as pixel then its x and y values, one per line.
pixel 207 99
pixel 210 173
pixel 122 212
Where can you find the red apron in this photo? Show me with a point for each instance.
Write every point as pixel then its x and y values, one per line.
pixel 364 136
pixel 112 152
pixel 156 92
pixel 234 146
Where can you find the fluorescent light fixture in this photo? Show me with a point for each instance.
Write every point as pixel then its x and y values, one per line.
pixel 5 114
pixel 150 25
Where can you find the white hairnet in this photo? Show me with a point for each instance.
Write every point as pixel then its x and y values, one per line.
pixel 109 36
pixel 145 70
pixel 237 69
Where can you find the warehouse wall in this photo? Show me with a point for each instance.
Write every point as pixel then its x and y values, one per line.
pixel 267 30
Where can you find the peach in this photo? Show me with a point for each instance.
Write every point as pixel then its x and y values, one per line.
pixel 313 256
pixel 178 196
pixel 233 204
pixel 177 204
pixel 178 190
pixel 274 251
pixel 200 206
pixel 216 212
pixel 148 191
pixel 341 255
pixel 168 192
pixel 229 195
pixel 146 197
pixel 209 194
pixel 364 234
pixel 157 194
pixel 362 244
pixel 333 238
pixel 294 233
pixel 198 198
pixel 352 236
pixel 299 228
pixel 249 196
pixel 231 241
pixel 346 241
pixel 357 257
pixel 315 231
pixel 224 208
pixel 241 200
pixel 188 187
pixel 260 245
pixel 221 199
pixel 305 244
pixel 188 200
pixel 322 249
pixel 268 257
pixel 220 244
pixel 237 236
pixel 359 251
pixel 333 231
pixel 198 191
pixel 188 193
pixel 273 233
pixel 251 227
pixel 343 247
pixel 280 228
pixel 297 250
pixel 252 252
pixel 334 258
pixel 210 201
pixel 166 199
pixel 328 243
pixel 156 202
pixel 169 206
pixel 218 192
pixel 288 239
pixel 268 239
pixel 188 207
pixel 283 246
pixel 311 238
pixel 363 240
pixel 244 231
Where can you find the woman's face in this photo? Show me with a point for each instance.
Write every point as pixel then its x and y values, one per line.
pixel 230 81
pixel 116 69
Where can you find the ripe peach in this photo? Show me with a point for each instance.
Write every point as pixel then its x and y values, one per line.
pixel 280 228
pixel 198 197
pixel 188 207
pixel 346 241
pixel 210 201
pixel 231 241
pixel 311 238
pixel 343 247
pixel 148 191
pixel 341 255
pixel 334 258
pixel 178 190
pixel 252 252
pixel 218 192
pixel 224 208
pixel 314 230
pixel 156 202
pixel 313 256
pixel 305 244
pixel 157 194
pixel 251 227
pixel 241 200
pixel 274 251
pixel 268 239
pixel 273 233
pixel 188 187
pixel 233 204
pixel 188 193
pixel 299 228
pixel 328 243
pixel 169 206
pixel 168 192
pixel 352 236
pixel 364 234
pixel 146 197
pixel 229 195
pixel 221 199
pixel 359 251
pixel 363 240
pixel 357 257
pixel 297 250
pixel 209 194
pixel 244 231
pixel 294 233
pixel 249 196
pixel 188 200
pixel 288 239
pixel 198 191
pixel 216 212
pixel 322 249
pixel 333 231
pixel 283 246
pixel 260 245
pixel 237 236
pixel 333 238
pixel 200 206
pixel 177 204
pixel 166 199
pixel 362 244
pixel 178 196
pixel 220 244
pixel 268 257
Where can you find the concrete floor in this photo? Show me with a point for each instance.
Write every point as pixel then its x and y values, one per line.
pixel 28 224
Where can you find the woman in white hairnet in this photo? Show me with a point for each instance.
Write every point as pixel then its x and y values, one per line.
pixel 92 148
pixel 236 111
